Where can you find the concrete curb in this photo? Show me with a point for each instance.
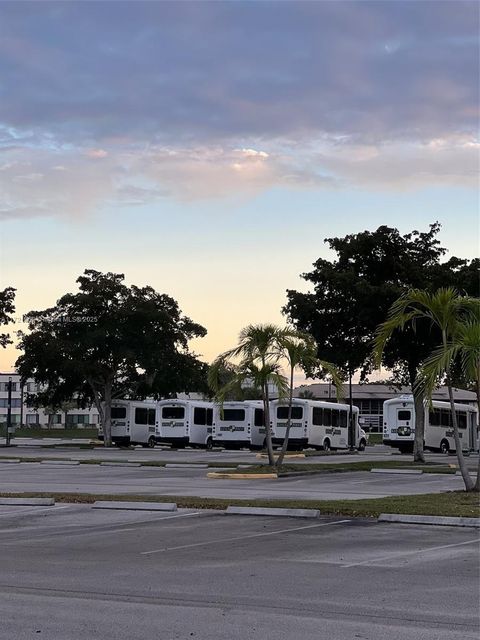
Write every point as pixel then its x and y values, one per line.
pixel 61 462
pixel 187 465
pixel 28 502
pixel 243 476
pixel 120 464
pixel 412 472
pixel 135 506
pixel 272 511
pixel 435 520
pixel 10 460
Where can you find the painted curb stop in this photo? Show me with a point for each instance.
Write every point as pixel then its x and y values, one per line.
pixel 28 502
pixel 412 472
pixel 135 506
pixel 445 521
pixel 272 511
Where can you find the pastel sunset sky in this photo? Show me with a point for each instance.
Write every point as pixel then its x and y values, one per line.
pixel 208 148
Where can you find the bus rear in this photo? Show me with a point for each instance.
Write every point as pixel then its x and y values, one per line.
pixel 298 435
pixel 230 427
pixel 173 421
pixel 399 423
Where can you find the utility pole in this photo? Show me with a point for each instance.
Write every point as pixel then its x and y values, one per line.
pixel 9 413
pixel 351 425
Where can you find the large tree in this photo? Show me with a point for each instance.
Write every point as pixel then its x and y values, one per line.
pixel 352 294
pixel 110 340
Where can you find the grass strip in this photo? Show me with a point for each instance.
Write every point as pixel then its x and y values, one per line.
pixel 53 433
pixel 453 503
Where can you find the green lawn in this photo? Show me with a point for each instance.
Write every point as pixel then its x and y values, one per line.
pixel 25 432
pixel 455 503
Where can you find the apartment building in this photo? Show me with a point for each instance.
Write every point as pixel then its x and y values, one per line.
pixel 27 416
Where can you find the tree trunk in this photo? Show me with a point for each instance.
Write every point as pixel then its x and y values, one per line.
pixel 477 433
pixel 268 431
pixel 469 486
pixel 104 410
pixel 419 404
pixel 107 414
pixel 289 422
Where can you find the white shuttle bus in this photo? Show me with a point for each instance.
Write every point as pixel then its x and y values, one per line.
pixel 239 424
pixel 133 422
pixel 399 425
pixel 182 422
pixel 316 424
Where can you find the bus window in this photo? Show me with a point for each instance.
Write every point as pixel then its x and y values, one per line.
pixel 151 416
pixel 343 419
pixel 335 418
pixel 462 420
pixel 327 417
pixel 258 418
pixel 282 413
pixel 233 415
pixel 446 418
pixel 173 413
pixel 199 416
pixel 209 417
pixel 403 414
pixel 141 415
pixel 317 416
pixel 119 413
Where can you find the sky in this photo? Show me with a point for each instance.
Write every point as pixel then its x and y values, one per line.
pixel 208 148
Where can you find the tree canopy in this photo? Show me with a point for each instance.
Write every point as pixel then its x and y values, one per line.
pixel 352 294
pixel 7 307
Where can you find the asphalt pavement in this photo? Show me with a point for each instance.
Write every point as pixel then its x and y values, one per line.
pixel 97 479
pixel 72 573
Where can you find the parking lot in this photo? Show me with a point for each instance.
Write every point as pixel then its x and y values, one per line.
pixel 98 479
pixel 73 572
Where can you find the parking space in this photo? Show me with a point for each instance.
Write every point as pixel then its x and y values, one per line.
pixel 73 572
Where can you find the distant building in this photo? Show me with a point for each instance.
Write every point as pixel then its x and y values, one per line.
pixel 24 415
pixel 369 398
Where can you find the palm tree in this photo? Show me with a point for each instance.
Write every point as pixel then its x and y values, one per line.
pixel 300 350
pixel 259 357
pixel 463 347
pixel 443 309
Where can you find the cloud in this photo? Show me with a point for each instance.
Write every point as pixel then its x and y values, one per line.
pixel 184 71
pixel 168 100
pixel 96 153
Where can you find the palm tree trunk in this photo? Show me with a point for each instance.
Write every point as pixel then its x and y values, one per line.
pixel 477 434
pixel 469 486
pixel 289 422
pixel 268 431
pixel 418 399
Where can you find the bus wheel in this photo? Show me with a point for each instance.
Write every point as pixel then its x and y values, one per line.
pixel 326 445
pixel 151 442
pixel 361 445
pixel 444 446
pixel 209 444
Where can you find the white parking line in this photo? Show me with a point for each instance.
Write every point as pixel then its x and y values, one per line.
pixel 255 535
pixel 393 556
pixel 52 508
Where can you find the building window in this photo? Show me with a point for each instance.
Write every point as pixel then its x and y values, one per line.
pixel 77 418
pixel 16 404
pixel 31 418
